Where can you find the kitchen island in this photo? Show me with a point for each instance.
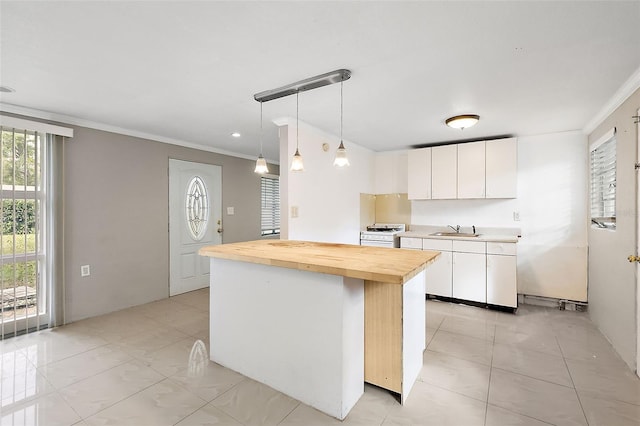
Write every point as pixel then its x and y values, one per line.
pixel 317 320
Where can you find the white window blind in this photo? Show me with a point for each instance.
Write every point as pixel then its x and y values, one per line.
pixel 270 200
pixel 603 182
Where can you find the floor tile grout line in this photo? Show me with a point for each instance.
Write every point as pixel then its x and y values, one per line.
pixel 486 407
pixel 531 377
pixel 289 413
pixel 584 413
pixel 125 398
pixel 453 391
pixel 92 375
pixel 520 414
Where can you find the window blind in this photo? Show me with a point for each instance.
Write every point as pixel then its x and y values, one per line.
pixel 603 184
pixel 270 200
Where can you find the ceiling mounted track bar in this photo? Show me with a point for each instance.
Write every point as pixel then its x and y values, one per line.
pixel 303 85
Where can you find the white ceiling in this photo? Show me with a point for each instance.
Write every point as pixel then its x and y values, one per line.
pixel 188 70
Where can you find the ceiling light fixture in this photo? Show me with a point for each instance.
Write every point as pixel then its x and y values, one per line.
pixel 296 163
pixel 341 159
pixel 462 121
pixel 261 163
pixel 236 134
pixel 301 86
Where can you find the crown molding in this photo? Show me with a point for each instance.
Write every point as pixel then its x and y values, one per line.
pixel 75 121
pixel 622 94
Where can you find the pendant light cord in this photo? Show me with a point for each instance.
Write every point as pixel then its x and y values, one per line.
pixel 261 129
pixel 297 125
pixel 341 81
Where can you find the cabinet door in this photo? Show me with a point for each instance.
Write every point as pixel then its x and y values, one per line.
pixel 444 172
pixel 438 275
pixel 471 170
pixel 502 288
pixel 419 174
pixel 502 168
pixel 470 276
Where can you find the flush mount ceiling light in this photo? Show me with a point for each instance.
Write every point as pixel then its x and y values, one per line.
pixel 337 76
pixel 261 163
pixel 236 134
pixel 462 121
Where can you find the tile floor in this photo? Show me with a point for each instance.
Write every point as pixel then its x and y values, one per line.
pixel 481 367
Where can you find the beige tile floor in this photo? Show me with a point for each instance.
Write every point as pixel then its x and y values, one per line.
pixel 481 367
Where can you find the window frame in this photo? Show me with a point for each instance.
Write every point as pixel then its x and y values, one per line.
pixel 269 208
pixel 603 182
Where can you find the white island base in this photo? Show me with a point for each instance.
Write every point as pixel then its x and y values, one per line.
pixel 303 333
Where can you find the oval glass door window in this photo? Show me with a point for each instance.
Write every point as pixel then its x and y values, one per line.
pixel 197 208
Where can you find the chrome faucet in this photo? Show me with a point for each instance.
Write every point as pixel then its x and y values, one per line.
pixel 457 228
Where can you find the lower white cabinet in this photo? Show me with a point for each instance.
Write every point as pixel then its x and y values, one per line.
pixel 439 273
pixel 471 270
pixel 502 286
pixel 469 276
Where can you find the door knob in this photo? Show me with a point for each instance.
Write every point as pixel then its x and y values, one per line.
pixel 220 232
pixel 633 258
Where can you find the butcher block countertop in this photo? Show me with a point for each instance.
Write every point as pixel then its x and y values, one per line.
pixel 395 266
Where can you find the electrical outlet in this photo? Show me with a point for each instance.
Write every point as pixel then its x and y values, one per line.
pixel 85 270
pixel 516 216
pixel 231 211
pixel 294 211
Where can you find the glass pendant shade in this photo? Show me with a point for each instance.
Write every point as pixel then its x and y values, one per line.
pixel 341 159
pixel 296 163
pixel 261 165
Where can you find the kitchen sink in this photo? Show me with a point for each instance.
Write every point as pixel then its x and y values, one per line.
pixel 455 234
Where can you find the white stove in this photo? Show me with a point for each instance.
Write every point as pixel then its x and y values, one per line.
pixel 382 235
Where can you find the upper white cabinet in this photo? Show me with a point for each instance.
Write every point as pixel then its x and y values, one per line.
pixel 502 168
pixel 485 169
pixel 471 170
pixel 444 174
pixel 419 169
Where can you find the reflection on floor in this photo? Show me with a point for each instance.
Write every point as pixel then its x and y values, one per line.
pixel 481 367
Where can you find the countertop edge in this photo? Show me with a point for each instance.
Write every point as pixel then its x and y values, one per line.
pixel 482 237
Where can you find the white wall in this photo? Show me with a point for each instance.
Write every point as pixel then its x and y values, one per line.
pixel 327 197
pixel 552 202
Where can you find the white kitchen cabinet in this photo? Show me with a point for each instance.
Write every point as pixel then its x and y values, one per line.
pixel 439 273
pixel 502 168
pixel 471 170
pixel 419 174
pixel 444 172
pixel 470 271
pixel 411 243
pixel 502 287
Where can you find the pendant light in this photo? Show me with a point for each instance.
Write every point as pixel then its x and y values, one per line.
pixel 261 163
pixel 296 163
pixel 341 159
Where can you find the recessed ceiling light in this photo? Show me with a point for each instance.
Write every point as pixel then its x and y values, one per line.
pixel 235 134
pixel 462 121
pixel 7 89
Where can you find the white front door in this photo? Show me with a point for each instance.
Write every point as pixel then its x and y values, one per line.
pixel 195 221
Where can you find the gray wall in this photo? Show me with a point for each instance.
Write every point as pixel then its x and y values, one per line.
pixel 612 281
pixel 116 217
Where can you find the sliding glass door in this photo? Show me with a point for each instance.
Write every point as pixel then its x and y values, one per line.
pixel 23 269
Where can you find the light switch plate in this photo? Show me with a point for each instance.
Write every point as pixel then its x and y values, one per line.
pixel 516 216
pixel 85 270
pixel 231 211
pixel 294 211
